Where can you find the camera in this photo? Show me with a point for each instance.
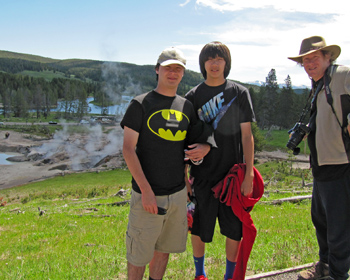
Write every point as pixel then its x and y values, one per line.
pixel 298 133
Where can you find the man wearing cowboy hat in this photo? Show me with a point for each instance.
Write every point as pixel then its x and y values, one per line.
pixel 329 157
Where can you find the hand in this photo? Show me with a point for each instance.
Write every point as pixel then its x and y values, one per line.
pixel 247 187
pixel 197 151
pixel 149 202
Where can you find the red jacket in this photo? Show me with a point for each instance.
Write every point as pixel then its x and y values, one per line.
pixel 228 191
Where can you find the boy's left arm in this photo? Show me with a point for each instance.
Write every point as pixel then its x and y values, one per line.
pixel 248 153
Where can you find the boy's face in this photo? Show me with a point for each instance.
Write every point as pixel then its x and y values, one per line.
pixel 170 75
pixel 215 67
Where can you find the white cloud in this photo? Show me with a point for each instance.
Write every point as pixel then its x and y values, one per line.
pixel 184 4
pixel 262 35
pixel 311 6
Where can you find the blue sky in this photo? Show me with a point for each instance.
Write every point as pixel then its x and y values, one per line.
pixel 261 34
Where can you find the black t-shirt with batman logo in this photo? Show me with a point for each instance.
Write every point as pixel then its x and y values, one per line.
pixel 165 126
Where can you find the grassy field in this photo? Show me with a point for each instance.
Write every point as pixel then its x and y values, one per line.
pixel 79 231
pixel 277 139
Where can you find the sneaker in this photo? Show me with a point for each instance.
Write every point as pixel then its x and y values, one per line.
pixel 201 277
pixel 319 271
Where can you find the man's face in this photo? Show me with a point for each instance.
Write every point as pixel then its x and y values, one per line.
pixel 170 75
pixel 316 64
pixel 215 67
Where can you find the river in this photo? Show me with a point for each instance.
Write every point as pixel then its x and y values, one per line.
pixel 115 110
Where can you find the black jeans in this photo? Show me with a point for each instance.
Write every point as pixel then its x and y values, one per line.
pixel 330 211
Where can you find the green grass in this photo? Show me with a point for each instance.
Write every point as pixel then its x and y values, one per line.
pixel 41 127
pixel 277 139
pixel 81 235
pixel 47 74
pixel 31 119
pixel 286 237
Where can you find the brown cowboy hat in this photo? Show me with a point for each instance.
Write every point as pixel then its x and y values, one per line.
pixel 313 44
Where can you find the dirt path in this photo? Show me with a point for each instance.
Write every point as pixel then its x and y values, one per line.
pixel 299 161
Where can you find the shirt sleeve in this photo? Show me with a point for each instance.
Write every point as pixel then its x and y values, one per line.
pixel 246 107
pixel 133 116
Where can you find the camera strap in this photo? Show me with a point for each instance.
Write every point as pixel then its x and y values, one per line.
pixel 345 133
pixel 327 90
pixel 313 94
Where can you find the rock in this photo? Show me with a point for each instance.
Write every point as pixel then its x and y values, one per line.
pixel 17 159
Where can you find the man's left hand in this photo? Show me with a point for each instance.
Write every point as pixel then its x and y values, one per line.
pixel 197 151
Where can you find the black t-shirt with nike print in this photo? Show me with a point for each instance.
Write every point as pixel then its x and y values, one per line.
pixel 224 107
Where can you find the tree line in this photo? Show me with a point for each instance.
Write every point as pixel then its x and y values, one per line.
pixel 21 94
pixel 108 81
pixel 277 107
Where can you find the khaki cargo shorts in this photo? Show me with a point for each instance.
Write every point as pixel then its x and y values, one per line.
pixel 148 232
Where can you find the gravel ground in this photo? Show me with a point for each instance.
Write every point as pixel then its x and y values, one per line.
pixel 283 276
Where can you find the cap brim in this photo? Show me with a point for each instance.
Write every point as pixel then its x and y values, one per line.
pixel 172 61
pixel 334 49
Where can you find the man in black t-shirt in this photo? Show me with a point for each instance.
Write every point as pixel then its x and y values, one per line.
pixel 226 106
pixel 157 127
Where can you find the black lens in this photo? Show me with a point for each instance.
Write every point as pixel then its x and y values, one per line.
pixel 296 151
pixel 296 137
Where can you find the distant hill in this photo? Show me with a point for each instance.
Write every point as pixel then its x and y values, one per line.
pixel 91 71
pixel 35 83
pixel 29 57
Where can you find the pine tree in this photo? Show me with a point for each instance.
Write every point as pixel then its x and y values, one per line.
pixel 269 100
pixel 286 105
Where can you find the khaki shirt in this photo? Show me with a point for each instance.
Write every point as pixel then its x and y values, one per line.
pixel 329 143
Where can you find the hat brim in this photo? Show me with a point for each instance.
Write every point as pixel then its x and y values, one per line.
pixel 173 61
pixel 333 49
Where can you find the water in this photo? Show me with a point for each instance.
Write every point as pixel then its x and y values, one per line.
pixel 3 158
pixel 117 110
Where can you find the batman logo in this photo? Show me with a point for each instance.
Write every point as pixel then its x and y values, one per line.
pixel 168 124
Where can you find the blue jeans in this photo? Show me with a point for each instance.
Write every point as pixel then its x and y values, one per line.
pixel 330 211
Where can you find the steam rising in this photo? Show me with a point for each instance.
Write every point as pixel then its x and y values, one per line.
pixel 119 86
pixel 85 151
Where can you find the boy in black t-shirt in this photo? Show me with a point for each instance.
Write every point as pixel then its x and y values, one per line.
pixel 226 106
pixel 157 126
